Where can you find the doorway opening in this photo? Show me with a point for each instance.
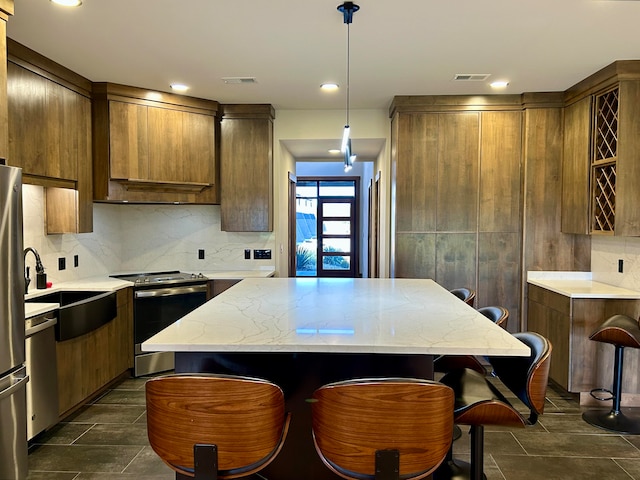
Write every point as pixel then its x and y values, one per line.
pixel 327 226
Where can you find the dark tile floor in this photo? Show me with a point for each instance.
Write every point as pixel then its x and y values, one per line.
pixel 107 440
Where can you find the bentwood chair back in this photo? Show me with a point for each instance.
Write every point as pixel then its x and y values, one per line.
pixel 498 315
pixel 238 424
pixel 383 428
pixel 467 295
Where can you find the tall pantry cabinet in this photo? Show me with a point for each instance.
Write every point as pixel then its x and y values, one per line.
pixel 6 10
pixel 457 196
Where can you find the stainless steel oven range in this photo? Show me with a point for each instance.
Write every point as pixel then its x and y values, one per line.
pixel 161 298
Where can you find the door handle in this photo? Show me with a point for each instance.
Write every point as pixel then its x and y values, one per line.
pixel 18 378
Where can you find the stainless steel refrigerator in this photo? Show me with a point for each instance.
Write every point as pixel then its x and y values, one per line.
pixel 13 376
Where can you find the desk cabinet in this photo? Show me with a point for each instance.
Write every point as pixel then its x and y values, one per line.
pixel 577 363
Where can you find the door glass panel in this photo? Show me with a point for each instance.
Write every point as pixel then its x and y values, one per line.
pixel 342 245
pixel 336 210
pixel 337 189
pixel 336 263
pixel 336 227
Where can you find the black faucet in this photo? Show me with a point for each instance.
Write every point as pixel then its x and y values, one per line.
pixel 41 277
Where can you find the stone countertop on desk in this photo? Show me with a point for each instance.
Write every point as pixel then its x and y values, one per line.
pixel 337 315
pixel 579 285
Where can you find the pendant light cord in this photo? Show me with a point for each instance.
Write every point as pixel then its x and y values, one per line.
pixel 348 64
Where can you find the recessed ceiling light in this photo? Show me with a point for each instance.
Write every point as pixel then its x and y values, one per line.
pixel 499 84
pixel 329 87
pixel 68 3
pixel 179 87
pixel 334 151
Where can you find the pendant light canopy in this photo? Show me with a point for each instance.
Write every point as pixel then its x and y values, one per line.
pixel 347 9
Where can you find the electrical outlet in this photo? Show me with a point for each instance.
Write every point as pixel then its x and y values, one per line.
pixel 76 261
pixel 262 254
pixel 201 254
pixel 247 254
pixel 62 263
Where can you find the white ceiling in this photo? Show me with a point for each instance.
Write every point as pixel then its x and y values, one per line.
pixel 408 47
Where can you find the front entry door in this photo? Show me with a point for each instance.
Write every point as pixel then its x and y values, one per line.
pixel 336 237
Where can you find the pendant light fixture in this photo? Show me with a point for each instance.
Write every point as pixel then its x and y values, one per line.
pixel 347 9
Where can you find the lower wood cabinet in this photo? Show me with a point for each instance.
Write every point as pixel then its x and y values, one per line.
pixel 217 286
pixel 86 364
pixel 577 363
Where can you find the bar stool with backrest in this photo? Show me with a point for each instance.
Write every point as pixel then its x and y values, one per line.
pixel 467 295
pixel 382 429
pixel 479 403
pixel 621 331
pixel 215 426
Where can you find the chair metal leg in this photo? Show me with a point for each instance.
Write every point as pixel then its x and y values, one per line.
pixel 615 420
pixel 477 452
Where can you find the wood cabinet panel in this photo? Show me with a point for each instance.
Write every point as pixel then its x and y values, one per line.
pixel 457 172
pixel 415 255
pixel 627 193
pixel 4 113
pixel 456 260
pixel 500 172
pixel 499 273
pixel 416 162
pixel 575 167
pixel 166 158
pixel 128 142
pixel 198 148
pixel 246 168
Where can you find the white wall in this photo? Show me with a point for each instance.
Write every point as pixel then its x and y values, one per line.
pixel 130 238
pixel 324 124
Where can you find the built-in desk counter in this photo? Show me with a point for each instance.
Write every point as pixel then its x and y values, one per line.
pixel 566 307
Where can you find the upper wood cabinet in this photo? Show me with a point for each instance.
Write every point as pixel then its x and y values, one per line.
pixel 575 167
pixel 6 10
pixel 246 168
pixel 601 165
pixel 153 147
pixel 49 109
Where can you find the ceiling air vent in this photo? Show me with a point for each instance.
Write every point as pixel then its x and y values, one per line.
pixel 239 79
pixel 471 77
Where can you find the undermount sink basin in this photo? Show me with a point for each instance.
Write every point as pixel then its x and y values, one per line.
pixel 80 312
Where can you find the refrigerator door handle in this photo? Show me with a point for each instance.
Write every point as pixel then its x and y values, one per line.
pixel 17 384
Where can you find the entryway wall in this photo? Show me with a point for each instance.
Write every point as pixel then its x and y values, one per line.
pixel 327 124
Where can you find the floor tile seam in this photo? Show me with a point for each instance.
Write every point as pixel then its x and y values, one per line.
pixel 495 463
pixel 83 433
pixel 626 439
pixel 622 468
pixel 132 460
pixel 563 455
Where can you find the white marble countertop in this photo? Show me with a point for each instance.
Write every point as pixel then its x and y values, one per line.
pixel 579 285
pixel 408 316
pixel 34 309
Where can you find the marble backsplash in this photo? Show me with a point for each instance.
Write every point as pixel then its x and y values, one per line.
pixel 605 254
pixel 129 238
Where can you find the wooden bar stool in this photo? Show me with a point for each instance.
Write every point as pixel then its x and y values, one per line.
pixel 479 403
pixel 215 426
pixel 382 429
pixel 621 331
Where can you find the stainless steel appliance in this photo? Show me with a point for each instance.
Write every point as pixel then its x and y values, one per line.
pixel 13 374
pixel 161 298
pixel 42 389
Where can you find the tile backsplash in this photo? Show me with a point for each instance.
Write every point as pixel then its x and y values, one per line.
pixel 128 238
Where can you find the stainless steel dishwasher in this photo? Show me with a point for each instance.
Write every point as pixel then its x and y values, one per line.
pixel 42 389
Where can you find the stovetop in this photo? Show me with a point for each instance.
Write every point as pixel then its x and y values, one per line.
pixel 161 278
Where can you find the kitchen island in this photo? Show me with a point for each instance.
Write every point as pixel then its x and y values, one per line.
pixel 303 332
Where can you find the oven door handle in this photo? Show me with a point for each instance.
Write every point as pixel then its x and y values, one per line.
pixel 168 292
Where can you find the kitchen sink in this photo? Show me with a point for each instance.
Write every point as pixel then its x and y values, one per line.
pixel 80 312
